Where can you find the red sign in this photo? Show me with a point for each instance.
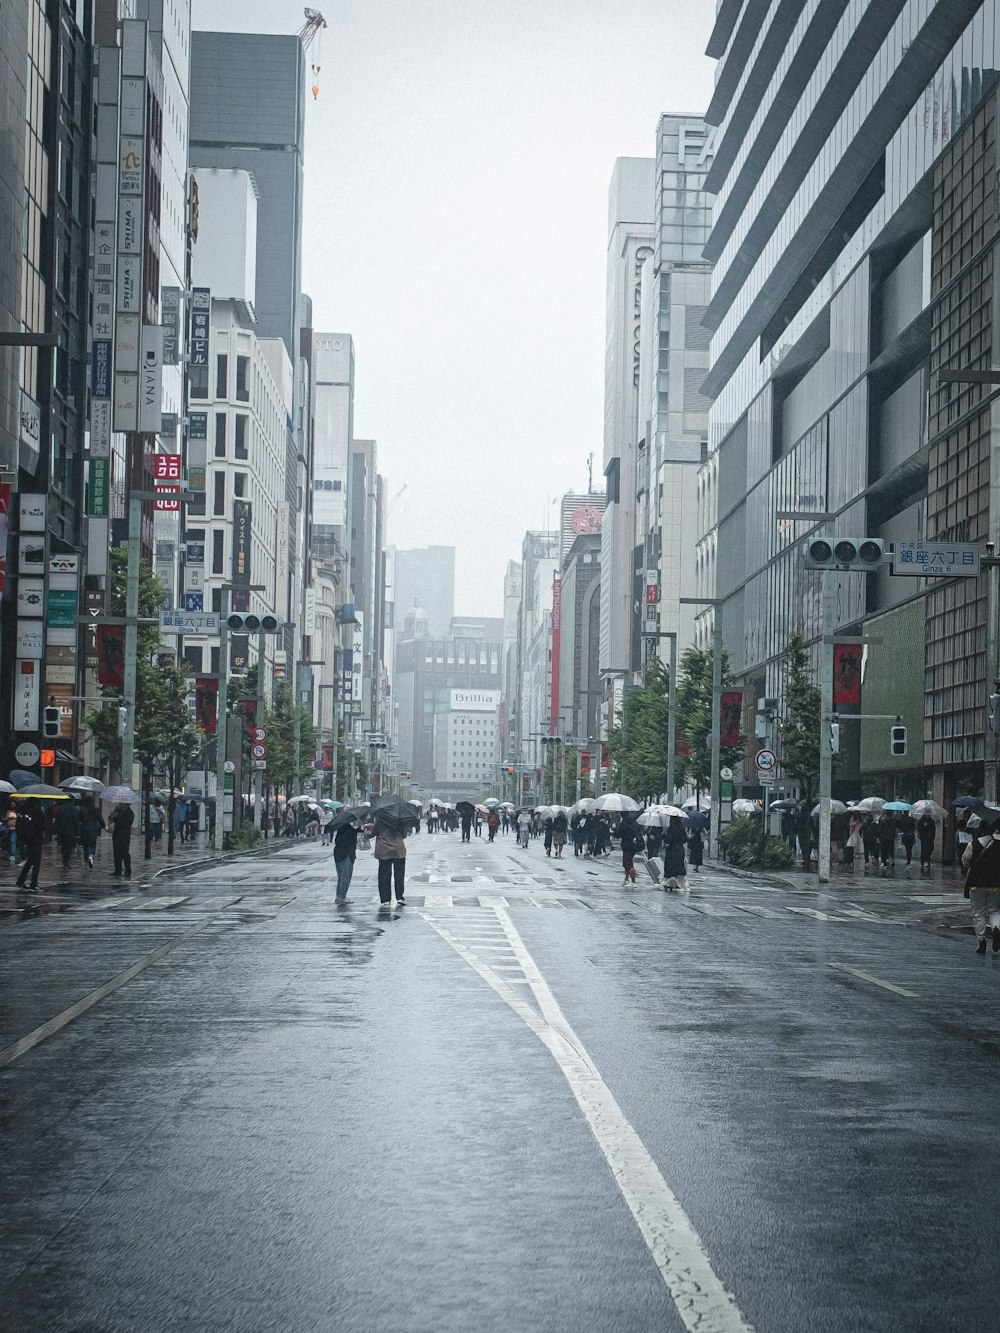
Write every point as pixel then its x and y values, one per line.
pixel 47 759
pixel 167 467
pixel 327 757
pixel 111 656
pixel 846 673
pixel 652 594
pixel 732 716
pixel 585 763
pixel 206 704
pixel 167 490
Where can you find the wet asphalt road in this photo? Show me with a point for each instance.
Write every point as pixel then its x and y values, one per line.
pixel 530 1100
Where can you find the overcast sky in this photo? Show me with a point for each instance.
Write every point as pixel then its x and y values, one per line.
pixel 457 165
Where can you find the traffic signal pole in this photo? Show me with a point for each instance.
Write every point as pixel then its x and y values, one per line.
pixel 222 721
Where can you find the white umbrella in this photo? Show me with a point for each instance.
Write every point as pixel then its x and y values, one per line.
pixel 744 807
pixel 659 816
pixel 418 804
pixel 928 807
pixel 82 783
pixel 870 804
pixel 583 806
pixel 7 787
pixel 836 807
pixel 696 803
pixel 615 802
pixel 492 803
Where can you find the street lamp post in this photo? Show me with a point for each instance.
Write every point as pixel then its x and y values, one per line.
pixel 715 762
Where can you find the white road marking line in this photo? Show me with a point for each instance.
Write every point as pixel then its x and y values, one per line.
pixel 763 911
pixel 160 904
pixel 102 904
pixel 874 981
pixel 440 900
pixel 703 1303
pixel 813 912
pixel 706 909
pixel 492 900
pixel 18 1048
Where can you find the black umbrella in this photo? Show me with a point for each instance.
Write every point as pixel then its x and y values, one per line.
pixel 465 808
pixel 352 814
pixel 22 778
pixel 393 813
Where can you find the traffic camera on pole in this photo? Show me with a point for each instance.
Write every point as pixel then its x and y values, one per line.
pixel 248 622
pixel 844 553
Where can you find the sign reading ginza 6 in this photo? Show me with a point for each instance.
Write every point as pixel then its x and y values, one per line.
pixel 936 560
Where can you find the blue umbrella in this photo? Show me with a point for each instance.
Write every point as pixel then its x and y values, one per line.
pixel 962 800
pixel 22 778
pixel 696 819
pixel 897 805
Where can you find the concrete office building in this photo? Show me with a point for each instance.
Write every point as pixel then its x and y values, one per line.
pixel 425 577
pixel 540 558
pixel 673 412
pixel 238 431
pixel 855 177
pixel 631 240
pixel 467 744
pixel 508 659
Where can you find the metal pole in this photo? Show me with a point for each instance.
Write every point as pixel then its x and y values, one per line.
pixel 672 719
pixel 990 781
pixel 598 785
pixel 222 723
pixel 716 740
pixel 579 771
pixel 258 784
pixel 825 709
pixel 131 636
pixel 297 724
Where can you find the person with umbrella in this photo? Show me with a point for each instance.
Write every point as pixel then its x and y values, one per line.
pixel 466 810
pixel 926 833
pixel 631 842
pixel 91 826
pixel 345 828
pixel 887 843
pixel 492 824
pixel 31 835
pixel 392 820
pixel 121 819
pixel 982 885
pixel 69 828
pixel 560 830
pixel 696 847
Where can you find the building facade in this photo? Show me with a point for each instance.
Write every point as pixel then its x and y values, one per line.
pixel 425 577
pixel 851 245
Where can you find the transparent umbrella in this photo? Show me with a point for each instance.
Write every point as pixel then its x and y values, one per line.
pixel 616 802
pixel 928 807
pixel 82 783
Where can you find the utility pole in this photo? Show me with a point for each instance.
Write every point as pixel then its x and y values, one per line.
pixel 131 633
pixel 716 793
pixel 222 721
pixel 258 782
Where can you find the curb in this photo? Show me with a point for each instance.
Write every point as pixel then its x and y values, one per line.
pixel 192 867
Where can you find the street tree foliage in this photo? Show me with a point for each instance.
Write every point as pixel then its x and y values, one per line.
pixel 280 720
pixel 637 743
pixel 799 729
pixel 345 757
pixel 164 728
pixel 563 757
pixel 694 719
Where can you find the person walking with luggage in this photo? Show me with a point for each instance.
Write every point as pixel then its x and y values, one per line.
pixel 345 849
pixel 120 821
pixel 68 830
pixel 31 835
pixel 926 832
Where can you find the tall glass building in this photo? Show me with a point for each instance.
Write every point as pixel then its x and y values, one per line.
pixel 852 243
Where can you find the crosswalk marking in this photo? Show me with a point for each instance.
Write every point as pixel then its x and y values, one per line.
pixel 160 904
pixel 761 911
pixel 439 900
pixel 707 909
pixel 492 900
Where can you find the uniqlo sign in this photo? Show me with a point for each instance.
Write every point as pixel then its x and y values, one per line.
pixel 167 467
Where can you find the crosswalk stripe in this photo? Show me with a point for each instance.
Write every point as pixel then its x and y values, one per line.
pixel 161 904
pixel 762 911
pixel 492 900
pixel 706 909
pixel 439 900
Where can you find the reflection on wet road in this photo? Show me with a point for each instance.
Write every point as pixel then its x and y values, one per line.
pixel 532 1099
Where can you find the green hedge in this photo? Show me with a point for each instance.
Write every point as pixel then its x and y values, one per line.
pixel 741 846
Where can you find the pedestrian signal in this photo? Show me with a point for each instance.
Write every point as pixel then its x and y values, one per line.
pixel 247 622
pixel 897 742
pixel 835 738
pixel 844 553
pixel 51 721
pixel 47 758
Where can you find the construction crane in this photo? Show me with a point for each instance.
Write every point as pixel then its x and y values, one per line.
pixel 312 30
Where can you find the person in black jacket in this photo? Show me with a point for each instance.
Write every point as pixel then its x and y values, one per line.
pixel 68 830
pixel 632 842
pixel 345 849
pixel 926 832
pixel 696 849
pixel 91 827
pixel 30 835
pixel 121 821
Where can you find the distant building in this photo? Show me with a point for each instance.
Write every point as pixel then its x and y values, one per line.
pixel 425 577
pixel 466 740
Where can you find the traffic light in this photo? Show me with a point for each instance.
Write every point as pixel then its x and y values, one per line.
pixel 407 774
pixel 51 722
pixel 844 553
pixel 247 622
pixel 897 742
pixel 122 720
pixel 835 738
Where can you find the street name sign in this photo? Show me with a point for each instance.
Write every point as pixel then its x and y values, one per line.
pixel 948 560
pixel 189 622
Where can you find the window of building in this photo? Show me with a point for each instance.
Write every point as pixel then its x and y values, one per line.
pixel 195 658
pixel 219 501
pixel 239 483
pixel 218 546
pixel 215 661
pixel 198 381
pixel 217 600
pixel 220 434
pixel 240 436
pixel 242 379
pixel 222 376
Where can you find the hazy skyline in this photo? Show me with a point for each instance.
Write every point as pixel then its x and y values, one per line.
pixel 457 166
